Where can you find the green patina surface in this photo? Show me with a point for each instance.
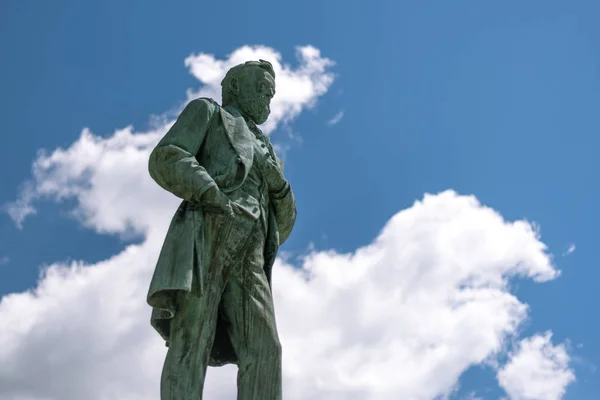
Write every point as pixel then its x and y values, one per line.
pixel 211 290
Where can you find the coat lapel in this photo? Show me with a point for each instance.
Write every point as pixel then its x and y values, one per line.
pixel 238 134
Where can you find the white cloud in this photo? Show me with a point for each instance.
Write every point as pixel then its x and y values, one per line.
pixel 402 317
pixel 537 370
pixel 336 118
pixel 570 250
pixel 21 208
pixel 297 88
pixel 91 164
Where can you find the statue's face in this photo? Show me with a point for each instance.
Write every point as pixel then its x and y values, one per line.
pixel 256 91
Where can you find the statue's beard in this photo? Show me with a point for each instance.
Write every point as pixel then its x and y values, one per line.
pixel 256 109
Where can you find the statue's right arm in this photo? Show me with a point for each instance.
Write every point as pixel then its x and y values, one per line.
pixel 173 164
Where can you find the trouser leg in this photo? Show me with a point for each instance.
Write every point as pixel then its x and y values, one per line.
pixel 248 306
pixel 192 335
pixel 193 326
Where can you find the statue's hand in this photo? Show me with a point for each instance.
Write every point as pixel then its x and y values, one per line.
pixel 215 200
pixel 273 175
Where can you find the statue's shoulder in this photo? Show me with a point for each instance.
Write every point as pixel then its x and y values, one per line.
pixel 205 104
pixel 213 109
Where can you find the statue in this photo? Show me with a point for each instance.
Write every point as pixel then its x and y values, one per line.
pixel 211 290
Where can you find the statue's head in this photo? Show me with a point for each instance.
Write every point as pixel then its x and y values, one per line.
pixel 250 87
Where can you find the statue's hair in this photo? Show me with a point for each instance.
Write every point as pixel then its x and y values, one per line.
pixel 237 71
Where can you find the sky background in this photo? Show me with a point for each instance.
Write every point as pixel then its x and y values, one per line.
pixel 444 161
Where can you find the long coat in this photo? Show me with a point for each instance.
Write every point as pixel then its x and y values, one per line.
pixel 208 145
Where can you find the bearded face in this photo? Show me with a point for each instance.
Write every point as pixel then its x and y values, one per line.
pixel 254 98
pixel 255 108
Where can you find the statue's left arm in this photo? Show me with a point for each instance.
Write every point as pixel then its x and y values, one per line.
pixel 284 205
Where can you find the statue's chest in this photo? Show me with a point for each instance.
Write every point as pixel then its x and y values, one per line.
pixel 228 151
pixel 217 147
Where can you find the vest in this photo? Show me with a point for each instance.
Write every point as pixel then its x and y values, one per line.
pixel 256 186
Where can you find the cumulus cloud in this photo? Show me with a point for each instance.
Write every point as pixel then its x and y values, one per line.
pixel 402 317
pixel 399 318
pixel 537 370
pixel 297 88
pixel 90 166
pixel 406 315
pixel 104 176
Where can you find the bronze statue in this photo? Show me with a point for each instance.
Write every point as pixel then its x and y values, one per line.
pixel 211 289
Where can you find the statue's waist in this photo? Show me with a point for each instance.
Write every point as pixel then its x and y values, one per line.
pixel 252 198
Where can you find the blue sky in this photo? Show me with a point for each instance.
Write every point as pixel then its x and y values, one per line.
pixel 500 101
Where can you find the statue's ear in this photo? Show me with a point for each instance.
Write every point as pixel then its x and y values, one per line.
pixel 234 85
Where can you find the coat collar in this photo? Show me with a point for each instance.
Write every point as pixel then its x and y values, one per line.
pixel 236 113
